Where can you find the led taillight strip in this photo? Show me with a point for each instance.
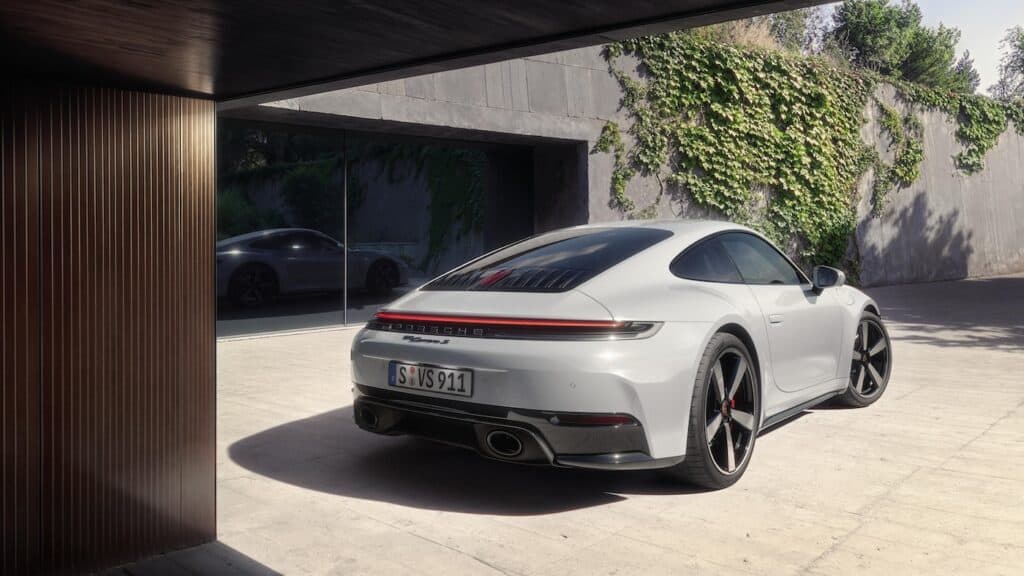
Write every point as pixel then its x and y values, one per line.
pixel 497 321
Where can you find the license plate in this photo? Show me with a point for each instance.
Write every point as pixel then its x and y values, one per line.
pixel 454 381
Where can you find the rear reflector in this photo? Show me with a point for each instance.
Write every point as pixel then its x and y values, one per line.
pixel 592 420
pixel 507 327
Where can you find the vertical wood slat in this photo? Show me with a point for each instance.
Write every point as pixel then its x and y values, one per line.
pixel 19 328
pixel 107 310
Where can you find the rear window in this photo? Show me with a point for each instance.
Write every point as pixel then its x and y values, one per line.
pixel 553 262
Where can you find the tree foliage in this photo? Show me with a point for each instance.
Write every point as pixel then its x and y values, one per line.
pixel 236 214
pixel 315 203
pixel 790 29
pixel 878 32
pixel 890 38
pixel 965 74
pixel 1010 85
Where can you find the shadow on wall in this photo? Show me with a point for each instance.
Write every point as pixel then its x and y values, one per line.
pixel 330 454
pixel 979 313
pixel 914 244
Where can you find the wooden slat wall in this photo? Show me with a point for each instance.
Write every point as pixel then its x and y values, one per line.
pixel 19 323
pixel 124 381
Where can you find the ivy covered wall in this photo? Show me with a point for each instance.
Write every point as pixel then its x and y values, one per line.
pixel 946 224
pixel 812 155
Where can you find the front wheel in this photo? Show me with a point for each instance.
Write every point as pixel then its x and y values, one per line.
pixel 725 414
pixel 382 277
pixel 872 363
pixel 252 286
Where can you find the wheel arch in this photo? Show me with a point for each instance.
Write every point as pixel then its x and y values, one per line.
pixel 740 332
pixel 380 259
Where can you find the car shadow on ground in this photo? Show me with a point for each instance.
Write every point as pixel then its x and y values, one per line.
pixel 329 453
pixel 957 314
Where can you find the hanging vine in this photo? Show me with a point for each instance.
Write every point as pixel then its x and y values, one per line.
pixel 980 120
pixel 907 145
pixel 610 141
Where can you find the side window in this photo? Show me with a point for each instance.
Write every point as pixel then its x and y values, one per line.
pixel 758 261
pixel 271 242
pixel 308 242
pixel 706 261
pixel 328 245
pixel 285 241
pixel 294 242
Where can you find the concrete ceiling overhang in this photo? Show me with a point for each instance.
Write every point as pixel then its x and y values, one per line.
pixel 244 52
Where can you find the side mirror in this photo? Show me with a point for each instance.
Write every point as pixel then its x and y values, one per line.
pixel 827 277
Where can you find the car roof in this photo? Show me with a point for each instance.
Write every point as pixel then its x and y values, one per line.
pixel 687 227
pixel 263 234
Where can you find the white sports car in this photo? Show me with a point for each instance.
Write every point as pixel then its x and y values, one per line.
pixel 620 346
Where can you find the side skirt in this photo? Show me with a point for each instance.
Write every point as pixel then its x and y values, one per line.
pixel 776 419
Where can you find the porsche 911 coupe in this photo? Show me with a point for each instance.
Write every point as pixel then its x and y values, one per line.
pixel 637 345
pixel 255 268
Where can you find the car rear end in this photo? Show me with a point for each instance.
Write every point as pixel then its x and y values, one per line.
pixel 506 357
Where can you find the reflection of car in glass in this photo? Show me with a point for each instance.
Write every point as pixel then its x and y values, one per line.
pixel 254 268
pixel 638 345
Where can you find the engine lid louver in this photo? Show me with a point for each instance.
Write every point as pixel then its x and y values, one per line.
pixel 528 279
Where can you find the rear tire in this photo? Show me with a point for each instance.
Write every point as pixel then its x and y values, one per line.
pixel 381 278
pixel 725 414
pixel 871 365
pixel 253 286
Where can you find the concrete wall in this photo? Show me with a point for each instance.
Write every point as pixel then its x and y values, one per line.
pixel 946 225
pixel 546 101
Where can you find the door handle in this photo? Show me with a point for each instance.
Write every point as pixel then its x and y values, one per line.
pixel 775 318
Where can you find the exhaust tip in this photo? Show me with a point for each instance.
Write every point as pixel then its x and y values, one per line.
pixel 368 418
pixel 504 444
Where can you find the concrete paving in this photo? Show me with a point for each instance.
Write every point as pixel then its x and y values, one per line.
pixel 929 480
pixel 304 312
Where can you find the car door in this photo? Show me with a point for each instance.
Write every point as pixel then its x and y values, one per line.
pixel 330 263
pixel 301 260
pixel 804 328
pixel 318 261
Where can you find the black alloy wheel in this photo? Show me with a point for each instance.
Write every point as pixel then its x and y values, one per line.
pixel 382 277
pixel 730 410
pixel 871 364
pixel 253 285
pixel 725 415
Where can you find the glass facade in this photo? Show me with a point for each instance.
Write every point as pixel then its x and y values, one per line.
pixel 324 227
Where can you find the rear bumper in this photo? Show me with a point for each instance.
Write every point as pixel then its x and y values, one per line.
pixel 543 442
pixel 648 378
